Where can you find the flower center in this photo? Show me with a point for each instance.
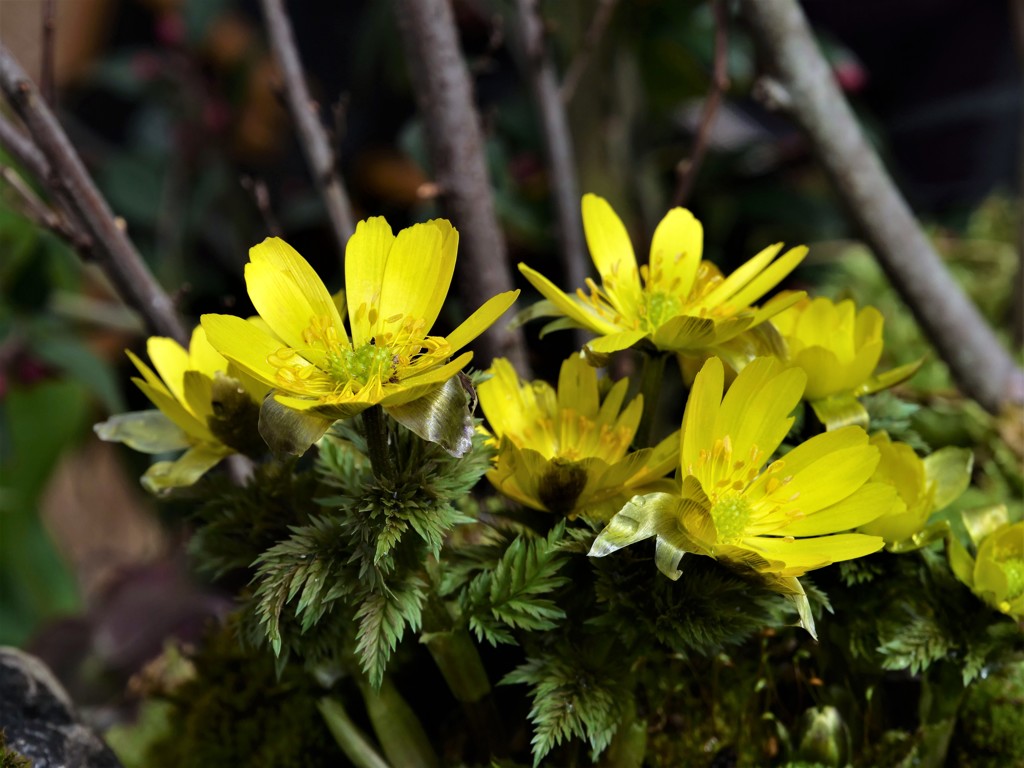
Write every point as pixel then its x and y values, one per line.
pixel 561 486
pixel 361 365
pixel 661 307
pixel 1014 571
pixel 731 515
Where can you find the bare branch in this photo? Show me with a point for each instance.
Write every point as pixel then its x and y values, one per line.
pixel 456 144
pixel 579 63
pixel 74 189
pixel 306 113
pixel 21 148
pixel 557 141
pixel 47 82
pixel 980 365
pixel 687 169
pixel 35 208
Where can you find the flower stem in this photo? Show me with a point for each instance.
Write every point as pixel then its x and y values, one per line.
pixel 457 658
pixel 398 729
pixel 376 427
pixel 651 375
pixel 353 742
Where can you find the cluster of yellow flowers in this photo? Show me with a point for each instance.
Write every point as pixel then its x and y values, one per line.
pixel 572 450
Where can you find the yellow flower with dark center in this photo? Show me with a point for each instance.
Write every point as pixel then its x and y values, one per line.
pixel 395 288
pixel 924 486
pixel 781 520
pixel 996 575
pixel 568 451
pixel 677 302
pixel 205 407
pixel 838 347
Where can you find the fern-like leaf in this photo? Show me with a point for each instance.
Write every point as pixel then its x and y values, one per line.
pixel 513 595
pixel 382 618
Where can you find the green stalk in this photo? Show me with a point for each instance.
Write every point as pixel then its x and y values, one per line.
pixel 456 656
pixel 629 745
pixel 376 427
pixel 353 742
pixel 651 374
pixel 398 729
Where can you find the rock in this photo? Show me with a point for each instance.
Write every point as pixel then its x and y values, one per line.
pixel 38 718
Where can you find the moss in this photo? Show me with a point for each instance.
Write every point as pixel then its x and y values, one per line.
pixel 990 729
pixel 237 712
pixel 9 758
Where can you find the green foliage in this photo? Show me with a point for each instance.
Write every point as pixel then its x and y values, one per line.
pixel 383 617
pixel 988 731
pixel 238 711
pixel 515 592
pixel 913 640
pixel 360 562
pixel 887 413
pixel 708 609
pixel 10 758
pixel 238 523
pixel 576 692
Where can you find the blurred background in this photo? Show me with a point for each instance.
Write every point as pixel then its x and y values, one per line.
pixel 175 106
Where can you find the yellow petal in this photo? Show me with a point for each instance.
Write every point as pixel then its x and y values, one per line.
pixel 365 257
pixel 577 387
pixel 701 414
pixel 769 278
pixel 280 302
pixel 481 320
pixel 870 501
pixel 412 273
pixel 739 279
pixel 176 412
pixel 612 253
pixel 675 253
pixel 199 395
pixel 685 332
pixel 290 280
pixel 415 386
pixel 756 409
pixel 418 272
pixel 244 344
pixel 171 361
pixel 148 375
pixel 615 342
pixel 568 306
pixel 202 356
pixel 800 555
pixel 828 480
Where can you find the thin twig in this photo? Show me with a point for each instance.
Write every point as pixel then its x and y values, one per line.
pixel 978 362
pixel 557 141
pixel 257 189
pixel 687 169
pixel 20 147
pixel 47 80
pixel 579 63
pixel 305 111
pixel 456 144
pixel 35 208
pixel 74 188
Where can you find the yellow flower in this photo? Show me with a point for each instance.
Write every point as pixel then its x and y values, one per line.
pixel 567 452
pixel 924 486
pixel 395 287
pixel 838 348
pixel 781 520
pixel 204 406
pixel 997 574
pixel 684 303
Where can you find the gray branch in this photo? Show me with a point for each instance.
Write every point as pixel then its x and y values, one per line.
pixel 456 144
pixel 322 163
pixel 557 141
pixel 981 366
pixel 67 177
